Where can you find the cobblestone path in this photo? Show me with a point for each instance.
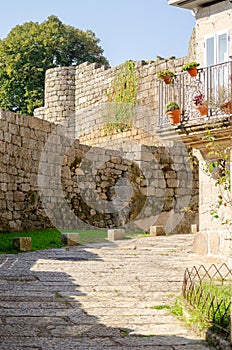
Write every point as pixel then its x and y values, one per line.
pixel 100 296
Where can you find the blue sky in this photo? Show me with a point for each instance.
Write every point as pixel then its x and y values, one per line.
pixel 128 29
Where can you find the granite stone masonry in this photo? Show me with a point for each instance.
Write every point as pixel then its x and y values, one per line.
pixel 83 89
pixel 48 180
pixel 62 168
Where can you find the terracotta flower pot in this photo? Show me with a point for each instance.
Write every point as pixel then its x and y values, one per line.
pixel 202 109
pixel 192 71
pixel 174 116
pixel 227 107
pixel 167 79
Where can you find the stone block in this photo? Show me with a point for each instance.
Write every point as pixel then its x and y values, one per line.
pixel 214 243
pixel 157 231
pixel 116 234
pixel 70 239
pixel 194 228
pixel 19 196
pixel 200 243
pixel 23 244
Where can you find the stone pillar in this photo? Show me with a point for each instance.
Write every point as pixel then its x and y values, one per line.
pixel 213 237
pixel 22 243
pixel 70 239
pixel 116 234
pixel 157 231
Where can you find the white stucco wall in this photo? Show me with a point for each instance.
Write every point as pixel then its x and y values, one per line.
pixel 209 20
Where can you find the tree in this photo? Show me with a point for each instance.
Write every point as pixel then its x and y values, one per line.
pixel 32 48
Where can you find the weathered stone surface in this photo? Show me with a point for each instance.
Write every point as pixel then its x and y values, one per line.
pixel 22 243
pixel 214 243
pixel 200 244
pixel 106 296
pixel 65 173
pixel 116 234
pixel 70 239
pixel 157 231
pixel 194 228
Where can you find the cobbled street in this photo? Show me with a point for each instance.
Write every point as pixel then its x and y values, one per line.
pixel 100 296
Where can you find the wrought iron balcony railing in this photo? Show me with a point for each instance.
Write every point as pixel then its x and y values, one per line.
pixel 212 87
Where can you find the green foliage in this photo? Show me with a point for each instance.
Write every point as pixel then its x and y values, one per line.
pixel 171 106
pixel 164 73
pixel 122 94
pixel 32 48
pixel 218 168
pixel 211 301
pixel 161 307
pixel 177 308
pixel 190 65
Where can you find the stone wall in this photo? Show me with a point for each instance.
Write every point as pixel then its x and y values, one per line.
pixel 49 179
pixel 214 236
pixel 136 185
pixel 22 139
pixel 82 91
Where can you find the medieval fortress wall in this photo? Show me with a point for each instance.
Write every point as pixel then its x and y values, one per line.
pixel 52 175
pixel 82 89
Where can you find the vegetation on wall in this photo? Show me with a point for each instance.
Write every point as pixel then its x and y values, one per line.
pixel 218 167
pixel 32 48
pixel 122 94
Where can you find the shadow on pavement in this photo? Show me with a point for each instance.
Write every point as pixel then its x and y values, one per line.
pixel 39 309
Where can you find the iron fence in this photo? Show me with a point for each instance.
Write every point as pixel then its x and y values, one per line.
pixel 213 83
pixel 210 291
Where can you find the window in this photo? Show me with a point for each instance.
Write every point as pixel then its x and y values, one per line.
pixel 217 48
pixel 216 58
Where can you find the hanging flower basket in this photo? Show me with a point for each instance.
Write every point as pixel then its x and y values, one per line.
pixel 166 76
pixel 167 79
pixel 201 104
pixel 174 116
pixel 226 107
pixel 203 109
pixel 173 112
pixel 191 68
pixel 192 72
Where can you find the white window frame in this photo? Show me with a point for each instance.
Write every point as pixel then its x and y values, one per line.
pixel 215 36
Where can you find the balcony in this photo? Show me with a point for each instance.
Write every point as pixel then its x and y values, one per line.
pixel 212 84
pixel 192 4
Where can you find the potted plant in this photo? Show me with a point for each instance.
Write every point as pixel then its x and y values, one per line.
pixel 191 68
pixel 166 75
pixel 201 104
pixel 226 107
pixel 172 109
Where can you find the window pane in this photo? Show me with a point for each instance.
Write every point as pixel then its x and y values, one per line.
pixel 222 48
pixel 210 60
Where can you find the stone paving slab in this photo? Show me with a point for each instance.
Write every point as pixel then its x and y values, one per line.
pixel 100 296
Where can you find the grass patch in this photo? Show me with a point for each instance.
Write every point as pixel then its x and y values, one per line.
pixel 177 308
pixel 217 309
pixel 51 238
pixel 124 331
pixel 211 309
pixel 42 239
pixel 192 317
pixel 161 307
